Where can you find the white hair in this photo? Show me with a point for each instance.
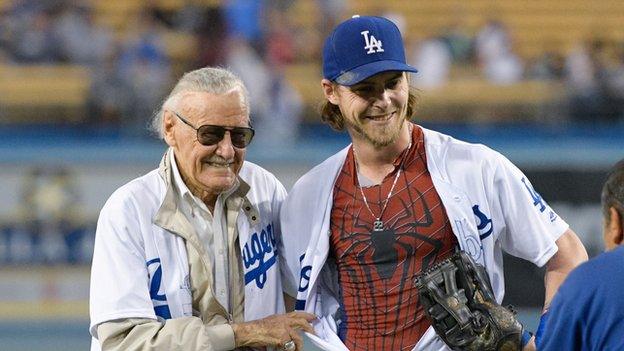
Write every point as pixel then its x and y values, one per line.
pixel 214 80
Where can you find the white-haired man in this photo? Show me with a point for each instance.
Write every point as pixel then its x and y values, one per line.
pixel 186 256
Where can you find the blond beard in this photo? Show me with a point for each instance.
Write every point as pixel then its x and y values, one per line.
pixel 388 137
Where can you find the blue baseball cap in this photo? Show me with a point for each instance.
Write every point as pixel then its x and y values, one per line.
pixel 361 47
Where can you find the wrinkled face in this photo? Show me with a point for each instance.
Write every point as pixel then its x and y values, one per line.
pixel 374 110
pixel 206 169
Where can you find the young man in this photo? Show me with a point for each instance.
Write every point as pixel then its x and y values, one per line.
pixel 587 312
pixel 364 223
pixel 186 256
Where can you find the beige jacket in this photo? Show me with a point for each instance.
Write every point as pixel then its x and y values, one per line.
pixel 209 326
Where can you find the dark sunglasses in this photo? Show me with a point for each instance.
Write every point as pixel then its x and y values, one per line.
pixel 209 134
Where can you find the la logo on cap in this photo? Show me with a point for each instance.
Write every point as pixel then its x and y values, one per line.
pixel 372 44
pixel 354 50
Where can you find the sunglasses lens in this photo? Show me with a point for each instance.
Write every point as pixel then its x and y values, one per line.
pixel 241 137
pixel 210 135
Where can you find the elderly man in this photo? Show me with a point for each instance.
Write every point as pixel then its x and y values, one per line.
pixel 186 255
pixel 587 312
pixel 401 198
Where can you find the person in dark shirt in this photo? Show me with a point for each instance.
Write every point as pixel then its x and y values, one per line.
pixel 587 313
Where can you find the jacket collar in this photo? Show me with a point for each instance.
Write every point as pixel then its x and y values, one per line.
pixel 169 216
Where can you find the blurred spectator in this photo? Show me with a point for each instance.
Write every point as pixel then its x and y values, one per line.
pixel 496 58
pixel 459 42
pixel 492 41
pixel 245 19
pixel 6 33
pixel 81 40
pixel 281 5
pixel 34 40
pixel 160 14
pixel 613 78
pixel 110 96
pixel 548 66
pixel 191 17
pixel 280 126
pixel 144 66
pixel 51 218
pixel 275 105
pixel 332 12
pixel 433 61
pixel 249 66
pixel 6 231
pixel 582 70
pixel 307 43
pixel 280 49
pixel 212 37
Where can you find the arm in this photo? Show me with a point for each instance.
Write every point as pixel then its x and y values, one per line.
pixel 274 330
pixel 534 230
pixel 189 333
pixel 570 254
pixel 186 333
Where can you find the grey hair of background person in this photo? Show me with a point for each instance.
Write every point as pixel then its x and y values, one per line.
pixel 214 80
pixel 613 190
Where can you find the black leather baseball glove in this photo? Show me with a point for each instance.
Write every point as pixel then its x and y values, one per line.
pixel 458 299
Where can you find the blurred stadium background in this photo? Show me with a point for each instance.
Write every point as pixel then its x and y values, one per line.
pixel 542 81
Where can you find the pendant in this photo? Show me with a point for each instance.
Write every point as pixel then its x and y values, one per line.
pixel 378 225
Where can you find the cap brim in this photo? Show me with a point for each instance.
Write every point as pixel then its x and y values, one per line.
pixel 360 73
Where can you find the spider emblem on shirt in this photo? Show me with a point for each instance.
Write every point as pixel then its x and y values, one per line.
pixel 382 245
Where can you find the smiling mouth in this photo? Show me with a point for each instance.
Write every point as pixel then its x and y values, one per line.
pixel 218 164
pixel 381 118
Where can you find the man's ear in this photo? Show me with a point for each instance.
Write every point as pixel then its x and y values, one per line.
pixel 330 91
pixel 614 234
pixel 168 128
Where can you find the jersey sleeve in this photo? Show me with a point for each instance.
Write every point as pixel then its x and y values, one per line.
pixel 185 333
pixel 294 221
pixel 288 283
pixel 531 225
pixel 119 276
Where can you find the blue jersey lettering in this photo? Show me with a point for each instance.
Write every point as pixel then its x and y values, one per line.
pixel 261 251
pixel 537 198
pixel 161 308
pixel 485 225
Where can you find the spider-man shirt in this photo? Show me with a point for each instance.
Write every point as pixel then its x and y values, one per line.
pixel 379 305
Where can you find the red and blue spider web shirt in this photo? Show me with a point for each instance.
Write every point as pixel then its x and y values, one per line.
pixel 379 305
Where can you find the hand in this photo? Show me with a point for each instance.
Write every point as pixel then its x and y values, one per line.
pixel 274 330
pixel 530 346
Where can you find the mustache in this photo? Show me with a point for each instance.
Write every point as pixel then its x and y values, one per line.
pixel 217 159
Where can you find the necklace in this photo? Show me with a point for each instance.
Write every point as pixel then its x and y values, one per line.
pixel 378 224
